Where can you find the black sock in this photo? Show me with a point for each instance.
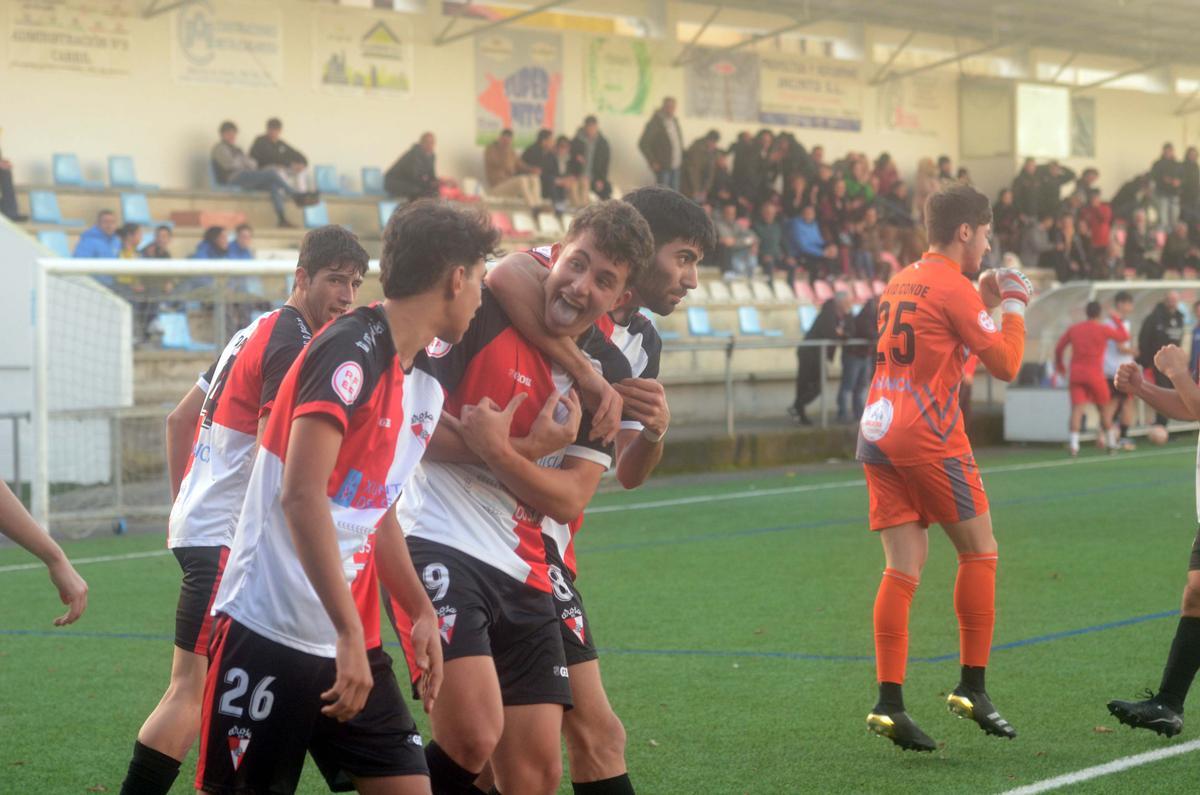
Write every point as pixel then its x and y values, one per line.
pixel 447 777
pixel 1124 430
pixel 150 772
pixel 617 785
pixel 1182 663
pixel 891 699
pixel 972 677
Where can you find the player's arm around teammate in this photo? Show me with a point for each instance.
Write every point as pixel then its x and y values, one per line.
pixel 181 432
pixel 17 524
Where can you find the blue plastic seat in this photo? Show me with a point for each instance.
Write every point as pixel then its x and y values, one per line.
pixel 43 209
pixel 327 179
pixel 136 210
pixel 372 181
pixel 176 334
pixel 68 172
pixel 316 215
pixel 662 335
pixel 700 325
pixel 808 314
pixel 385 212
pixel 750 324
pixel 56 241
pixel 121 174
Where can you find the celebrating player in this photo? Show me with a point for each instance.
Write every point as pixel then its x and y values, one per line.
pixel 475 532
pixel 918 461
pixel 683 236
pixel 17 524
pixel 1163 711
pixel 1088 342
pixel 297 663
pixel 210 462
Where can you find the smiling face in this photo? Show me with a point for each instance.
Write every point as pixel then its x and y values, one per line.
pixel 582 286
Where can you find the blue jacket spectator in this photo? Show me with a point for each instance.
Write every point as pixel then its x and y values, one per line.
pixel 242 246
pixel 804 234
pixel 100 241
pixel 213 245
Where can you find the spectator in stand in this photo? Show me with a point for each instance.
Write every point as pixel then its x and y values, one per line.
pixel 1096 216
pixel 772 254
pixel 1025 188
pixel 212 245
pixel 1178 252
pixel 1189 187
pixel 833 212
pixel 896 206
pixel 571 188
pixel 590 151
pixel 1035 241
pixel 945 172
pixel 963 176
pixel 737 246
pixel 1137 243
pixel 1085 184
pixel 721 191
pixel 661 144
pixel 160 247
pixel 857 363
pixel 926 185
pixel 807 245
pixel 242 246
pixel 795 158
pixel 101 240
pixel 859 193
pixel 886 173
pixel 1051 177
pixel 232 166
pixel 1163 326
pixel 1167 173
pixel 1006 222
pixel 414 175
pixel 131 238
pixel 8 194
pixel 1068 255
pixel 700 166
pixel 795 195
pixel 1133 195
pixel 540 155
pixel 508 176
pixel 868 246
pixel 816 159
pixel 750 169
pixel 269 150
pixel 830 324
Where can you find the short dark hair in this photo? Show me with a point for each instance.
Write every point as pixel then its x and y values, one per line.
pixel 943 159
pixel 950 208
pixel 128 229
pixel 506 132
pixel 330 246
pixel 543 134
pixel 673 216
pixel 425 239
pixel 1092 310
pixel 103 213
pixel 1122 296
pixel 590 120
pixel 245 227
pixel 274 124
pixel 619 232
pixel 163 228
pixel 713 135
pixel 227 126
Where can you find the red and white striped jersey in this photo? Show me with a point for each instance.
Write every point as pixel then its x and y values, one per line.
pixel 351 375
pixel 464 506
pixel 239 388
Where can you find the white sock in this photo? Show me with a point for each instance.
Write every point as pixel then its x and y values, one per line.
pixel 1112 436
pixel 1075 440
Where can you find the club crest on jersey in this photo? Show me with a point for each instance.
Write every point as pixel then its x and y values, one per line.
pixel 573 618
pixel 348 381
pixel 876 419
pixel 438 348
pixel 447 616
pixel 985 322
pixel 422 424
pixel 239 740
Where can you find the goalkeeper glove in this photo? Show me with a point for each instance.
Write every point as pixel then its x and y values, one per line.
pixel 1015 290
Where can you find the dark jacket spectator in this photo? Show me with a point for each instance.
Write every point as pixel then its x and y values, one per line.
pixel 750 168
pixel 721 191
pixel 1025 190
pixel 1163 326
pixel 661 143
pixel 886 174
pixel 1132 196
pixel 699 166
pixel 1051 178
pixel 159 248
pixel 8 194
pixel 590 154
pixel 831 323
pixel 540 154
pixel 1069 255
pixel 1189 188
pixel 269 149
pixel 1035 241
pixel 1167 173
pixel 1006 221
pixel 232 166
pixel 1178 252
pixel 772 253
pixel 1137 243
pixel 414 175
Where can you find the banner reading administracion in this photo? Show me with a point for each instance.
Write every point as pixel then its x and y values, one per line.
pixel 229 43
pixel 810 92
pixel 518 77
pixel 618 76
pixel 72 36
pixel 362 53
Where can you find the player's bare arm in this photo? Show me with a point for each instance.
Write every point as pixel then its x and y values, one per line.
pixel 312 452
pixel 638 452
pixel 1172 362
pixel 560 493
pixel 547 435
pixel 399 577
pixel 181 432
pixel 1165 401
pixel 517 284
pixel 17 524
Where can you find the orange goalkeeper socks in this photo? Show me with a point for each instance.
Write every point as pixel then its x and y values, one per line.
pixel 975 604
pixel 892 602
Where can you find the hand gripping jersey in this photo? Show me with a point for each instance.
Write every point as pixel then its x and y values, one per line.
pixel 350 374
pixel 930 319
pixel 239 389
pixel 463 505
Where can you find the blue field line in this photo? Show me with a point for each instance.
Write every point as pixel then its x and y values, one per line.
pixel 862 520
pixel 763 655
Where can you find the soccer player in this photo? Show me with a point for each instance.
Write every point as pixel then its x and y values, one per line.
pixel 17 524
pixel 296 659
pixel 209 464
pixel 918 461
pixel 683 236
pixel 1120 407
pixel 1088 341
pixel 1163 711
pixel 475 532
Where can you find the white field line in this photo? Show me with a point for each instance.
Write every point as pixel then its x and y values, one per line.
pixel 694 500
pixel 1107 769
pixel 846 484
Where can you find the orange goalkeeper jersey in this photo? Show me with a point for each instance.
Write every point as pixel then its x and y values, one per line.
pixel 931 319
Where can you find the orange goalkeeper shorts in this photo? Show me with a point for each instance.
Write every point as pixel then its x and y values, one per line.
pixel 936 492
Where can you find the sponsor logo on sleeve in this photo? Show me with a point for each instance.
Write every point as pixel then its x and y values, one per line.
pixel 986 323
pixel 348 381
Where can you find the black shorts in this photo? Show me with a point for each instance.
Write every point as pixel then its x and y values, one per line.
pixel 202 568
pixel 262 712
pixel 484 612
pixel 568 602
pixel 1194 560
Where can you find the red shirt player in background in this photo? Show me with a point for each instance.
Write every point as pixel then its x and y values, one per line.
pixel 1088 341
pixel 918 461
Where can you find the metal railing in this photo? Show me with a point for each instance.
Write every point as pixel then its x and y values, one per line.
pixel 14 419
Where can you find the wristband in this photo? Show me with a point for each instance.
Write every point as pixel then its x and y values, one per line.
pixel 1013 306
pixel 651 438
